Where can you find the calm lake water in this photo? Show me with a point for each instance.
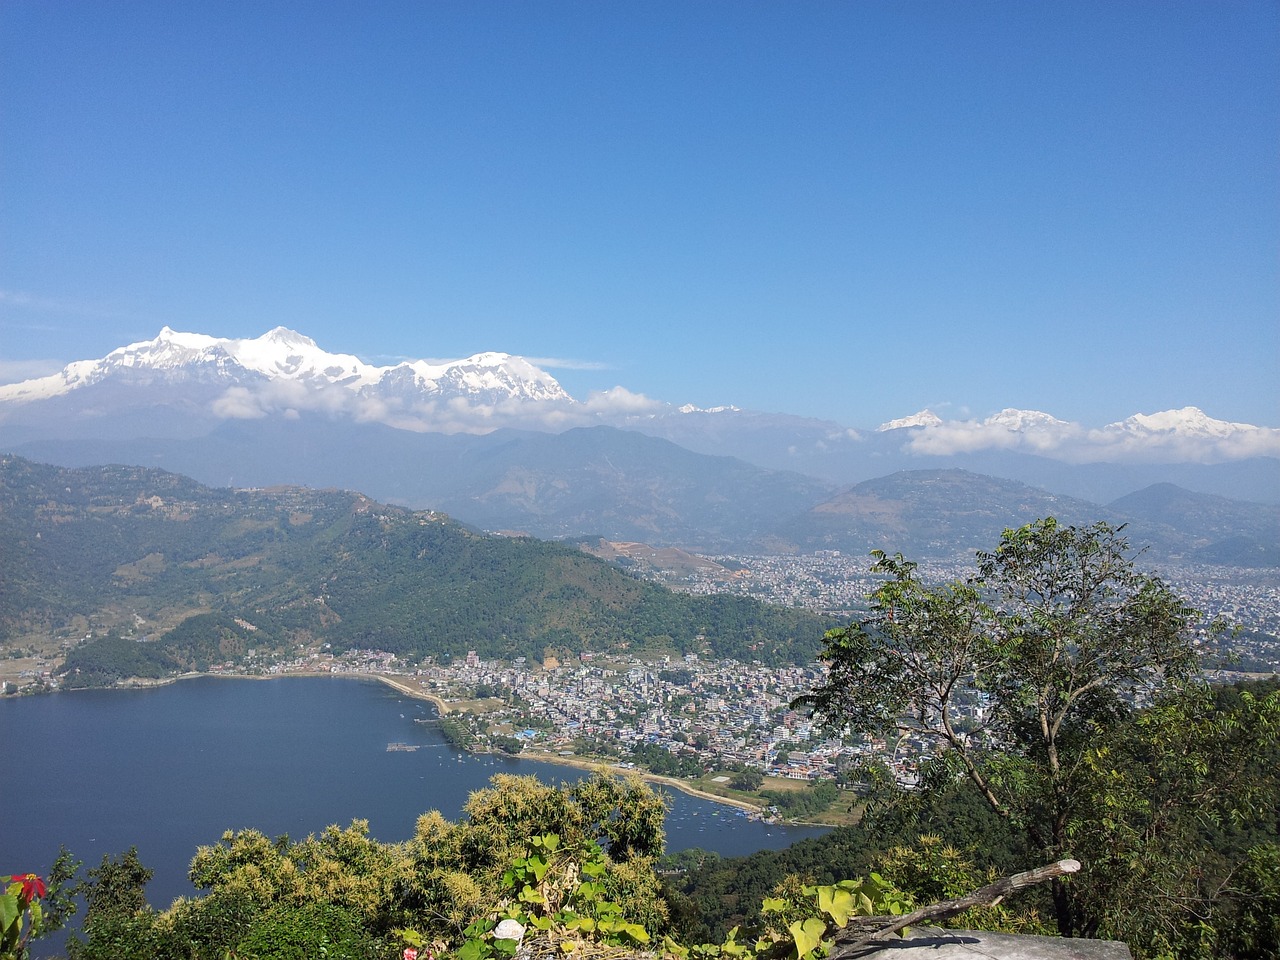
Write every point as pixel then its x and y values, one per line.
pixel 170 768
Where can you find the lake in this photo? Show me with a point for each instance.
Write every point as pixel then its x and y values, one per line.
pixel 172 767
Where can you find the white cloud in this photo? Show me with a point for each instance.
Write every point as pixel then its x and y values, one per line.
pixel 419 414
pixel 282 396
pixel 1185 436
pixel 619 401
pixel 238 403
pixel 20 298
pixel 1114 442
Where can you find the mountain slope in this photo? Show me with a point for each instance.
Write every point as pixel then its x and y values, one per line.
pixel 206 573
pixel 595 481
pixel 928 513
pixel 1216 529
pixel 954 512
pixel 625 486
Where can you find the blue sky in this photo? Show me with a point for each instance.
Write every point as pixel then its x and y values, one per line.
pixel 842 210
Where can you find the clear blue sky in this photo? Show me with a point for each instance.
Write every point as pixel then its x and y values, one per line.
pixel 848 210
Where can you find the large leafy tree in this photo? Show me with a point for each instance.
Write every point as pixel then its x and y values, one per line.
pixel 1021 678
pixel 280 898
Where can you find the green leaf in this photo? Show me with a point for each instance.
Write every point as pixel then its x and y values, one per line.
pixel 478 928
pixel 538 867
pixel 411 937
pixel 636 932
pixel 10 910
pixel 837 904
pixel 671 948
pixel 807 935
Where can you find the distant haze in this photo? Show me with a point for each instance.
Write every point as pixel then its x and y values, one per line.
pixel 284 374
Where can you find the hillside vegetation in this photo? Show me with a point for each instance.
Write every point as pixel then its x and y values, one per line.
pixel 203 575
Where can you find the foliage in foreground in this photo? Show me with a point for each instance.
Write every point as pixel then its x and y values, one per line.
pixel 1061 685
pixel 570 869
pixel 343 894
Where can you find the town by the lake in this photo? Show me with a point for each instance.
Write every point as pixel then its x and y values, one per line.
pixel 694 716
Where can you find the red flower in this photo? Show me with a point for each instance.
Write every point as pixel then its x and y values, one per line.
pixel 410 953
pixel 32 886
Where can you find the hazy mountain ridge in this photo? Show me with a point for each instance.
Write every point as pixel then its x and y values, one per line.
pixel 1214 529
pixel 621 486
pixel 212 572
pixel 931 512
pixel 279 409
pixel 587 481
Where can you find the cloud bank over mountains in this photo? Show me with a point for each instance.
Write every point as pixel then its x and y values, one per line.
pixel 1187 435
pixel 285 374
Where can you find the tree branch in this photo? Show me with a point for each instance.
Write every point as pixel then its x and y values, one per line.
pixel 988 896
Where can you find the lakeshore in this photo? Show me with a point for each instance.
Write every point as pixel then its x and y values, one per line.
pixel 401 685
pixel 580 763
pixel 174 766
pixel 411 686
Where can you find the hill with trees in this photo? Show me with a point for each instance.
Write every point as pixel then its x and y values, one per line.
pixel 169 575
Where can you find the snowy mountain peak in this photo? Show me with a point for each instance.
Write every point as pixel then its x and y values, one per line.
pixel 1022 420
pixel 691 408
pixel 286 337
pixel 181 377
pixel 487 377
pixel 169 348
pixel 1186 422
pixel 285 354
pixel 264 365
pixel 925 418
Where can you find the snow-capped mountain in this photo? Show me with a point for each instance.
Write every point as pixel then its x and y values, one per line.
pixel 925 418
pixel 184 385
pixel 1189 422
pixel 285 356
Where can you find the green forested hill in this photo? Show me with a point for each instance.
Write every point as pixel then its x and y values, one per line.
pixel 204 574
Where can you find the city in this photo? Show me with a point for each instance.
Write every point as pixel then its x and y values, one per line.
pixel 691 716
pixel 696 716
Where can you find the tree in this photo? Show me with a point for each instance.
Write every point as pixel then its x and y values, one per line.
pixel 1008 677
pixel 116 887
pixel 1178 806
pixel 118 921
